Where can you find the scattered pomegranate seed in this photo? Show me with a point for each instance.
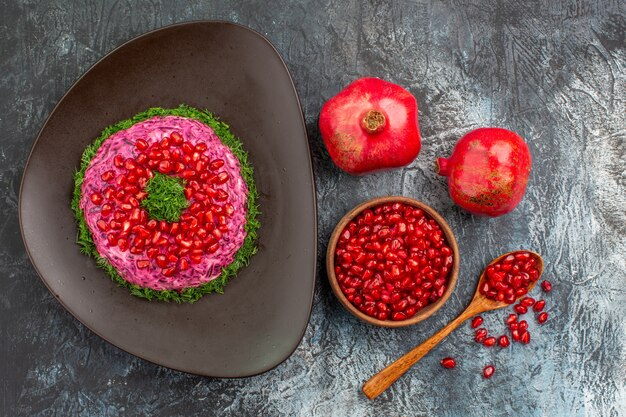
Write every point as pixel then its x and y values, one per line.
pixel 527 301
pixel 541 318
pixel 488 371
pixel 480 334
pixel 525 338
pixel 512 318
pixel 515 334
pixel 477 321
pixel 490 341
pixel 539 305
pixel 522 326
pixel 448 363
pixel 520 309
pixel 503 341
pixel 546 286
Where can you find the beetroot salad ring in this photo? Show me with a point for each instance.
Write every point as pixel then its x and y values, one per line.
pixel 166 204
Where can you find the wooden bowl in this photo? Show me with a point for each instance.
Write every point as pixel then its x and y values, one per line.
pixel 424 312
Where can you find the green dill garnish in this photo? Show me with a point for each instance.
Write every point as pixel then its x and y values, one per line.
pixel 243 255
pixel 166 198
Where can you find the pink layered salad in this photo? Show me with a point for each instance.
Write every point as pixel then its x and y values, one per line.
pixel 156 253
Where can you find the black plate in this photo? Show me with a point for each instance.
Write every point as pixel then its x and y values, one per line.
pixel 237 74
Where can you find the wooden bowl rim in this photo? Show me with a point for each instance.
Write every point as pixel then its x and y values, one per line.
pixel 425 312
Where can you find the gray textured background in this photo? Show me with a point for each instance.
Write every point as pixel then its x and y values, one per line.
pixel 552 71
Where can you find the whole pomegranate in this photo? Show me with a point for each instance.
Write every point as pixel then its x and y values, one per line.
pixel 487 171
pixel 371 125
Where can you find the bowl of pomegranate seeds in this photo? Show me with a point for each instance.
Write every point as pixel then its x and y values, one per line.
pixel 392 261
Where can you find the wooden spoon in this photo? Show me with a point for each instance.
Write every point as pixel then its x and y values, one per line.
pixel 479 304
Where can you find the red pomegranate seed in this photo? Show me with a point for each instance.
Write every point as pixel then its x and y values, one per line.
pixel 520 309
pixel 102 225
pixel 527 301
pixel 201 147
pixel 131 178
pixel 525 338
pixel 539 305
pixel 480 334
pixel 130 164
pixel 142 263
pixel 512 318
pixel 515 334
pixel 522 326
pixel 222 177
pixel 118 161
pixel 477 321
pixel 229 209
pixel 448 363
pixel 106 210
pixel 112 239
pixel 490 341
pixel 142 158
pixel 503 341
pixel 183 264
pixel 546 286
pixel 541 318
pixel 165 167
pixel 108 175
pixel 221 195
pixel 488 371
pixel 141 144
pixel 161 261
pixel 187 148
pixel 168 272
pixel 122 243
pixel 96 198
pixel 176 138
pixel 200 165
pixel 216 164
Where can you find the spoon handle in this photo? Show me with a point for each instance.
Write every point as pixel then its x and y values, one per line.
pixel 383 380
